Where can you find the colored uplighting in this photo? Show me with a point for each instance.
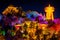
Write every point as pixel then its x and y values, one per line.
pixel 32 15
pixel 0 17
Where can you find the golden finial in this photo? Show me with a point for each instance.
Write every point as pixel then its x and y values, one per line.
pixel 49 5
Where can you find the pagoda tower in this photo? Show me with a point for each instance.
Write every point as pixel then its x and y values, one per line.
pixel 49 12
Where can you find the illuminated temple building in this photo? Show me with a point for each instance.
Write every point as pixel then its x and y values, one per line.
pixel 31 25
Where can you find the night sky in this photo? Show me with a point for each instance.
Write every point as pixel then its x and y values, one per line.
pixel 37 5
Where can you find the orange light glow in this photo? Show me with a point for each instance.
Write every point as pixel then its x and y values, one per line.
pixel 42 26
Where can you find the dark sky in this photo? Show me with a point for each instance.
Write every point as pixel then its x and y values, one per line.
pixel 37 5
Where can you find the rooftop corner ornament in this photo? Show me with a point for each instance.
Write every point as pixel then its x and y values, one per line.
pixel 49 12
